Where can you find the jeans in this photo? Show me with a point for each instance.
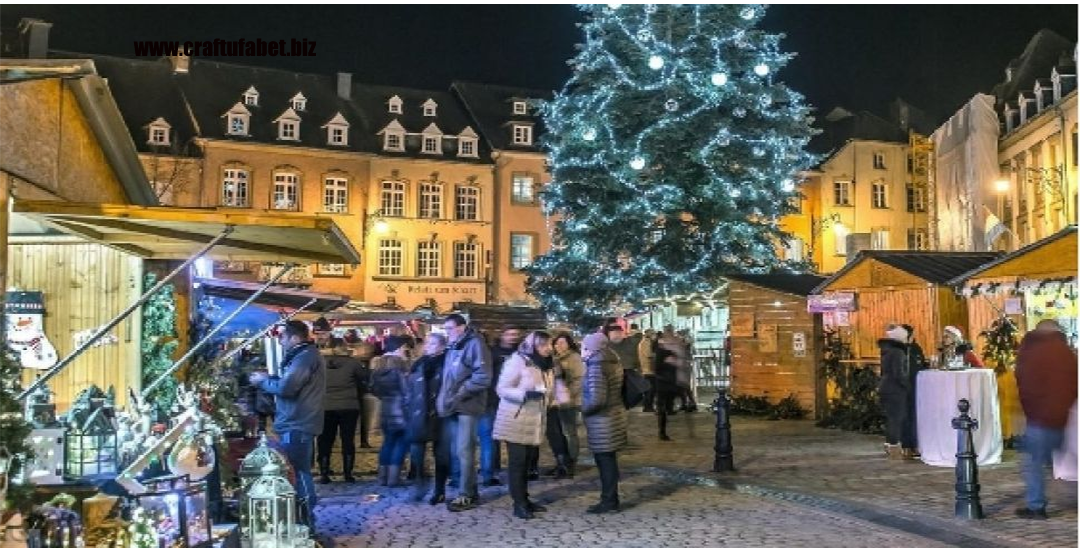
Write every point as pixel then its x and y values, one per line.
pixel 416 457
pixel 335 422
pixel 298 447
pixel 569 417
pixel 490 451
pixel 394 447
pixel 608 464
pixel 459 430
pixel 518 471
pixel 1039 446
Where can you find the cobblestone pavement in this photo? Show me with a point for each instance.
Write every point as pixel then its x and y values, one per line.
pixel 795 485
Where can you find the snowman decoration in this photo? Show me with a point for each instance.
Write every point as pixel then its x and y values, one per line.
pixel 25 330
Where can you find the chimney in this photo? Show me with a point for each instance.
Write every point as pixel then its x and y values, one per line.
pixel 344 85
pixel 35 34
pixel 180 63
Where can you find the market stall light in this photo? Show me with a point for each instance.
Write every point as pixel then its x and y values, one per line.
pixel 777 303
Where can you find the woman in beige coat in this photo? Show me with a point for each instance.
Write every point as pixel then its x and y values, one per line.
pixel 525 388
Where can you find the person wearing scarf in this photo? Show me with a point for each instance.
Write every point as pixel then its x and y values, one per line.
pixel 526 388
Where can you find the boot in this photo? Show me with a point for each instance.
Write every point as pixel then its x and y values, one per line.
pixel 382 475
pixel 561 470
pixel 348 461
pixel 895 452
pixel 324 469
pixel 571 466
pixel 393 476
pixel 910 454
pixel 419 489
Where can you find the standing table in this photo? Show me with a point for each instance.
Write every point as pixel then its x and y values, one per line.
pixel 937 394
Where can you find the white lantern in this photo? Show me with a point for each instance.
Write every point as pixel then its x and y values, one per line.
pixel 271 505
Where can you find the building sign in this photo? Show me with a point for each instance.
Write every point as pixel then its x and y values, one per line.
pixel 831 301
pixel 798 343
pixel 413 294
pixel 1014 306
pixel 436 289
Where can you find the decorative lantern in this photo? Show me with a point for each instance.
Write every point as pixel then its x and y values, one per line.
pixel 271 505
pixel 251 467
pixel 90 447
pixel 178 509
pixel 40 410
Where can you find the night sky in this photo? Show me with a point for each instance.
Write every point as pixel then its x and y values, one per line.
pixel 862 57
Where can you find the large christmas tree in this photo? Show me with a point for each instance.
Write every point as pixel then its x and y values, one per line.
pixel 674 152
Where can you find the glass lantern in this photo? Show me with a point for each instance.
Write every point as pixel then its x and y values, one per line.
pixel 90 448
pixel 271 505
pixel 251 468
pixel 179 509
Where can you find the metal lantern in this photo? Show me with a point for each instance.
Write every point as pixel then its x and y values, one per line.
pixel 271 505
pixel 90 447
pixel 251 468
pixel 178 507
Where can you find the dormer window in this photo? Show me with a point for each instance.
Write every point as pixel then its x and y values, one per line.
pixel 251 97
pixel 521 108
pixel 467 143
pixel 337 131
pixel 431 140
pixel 288 125
pixel 429 107
pixel 298 102
pixel 523 134
pixel 393 137
pixel 237 120
pixel 159 132
pixel 394 105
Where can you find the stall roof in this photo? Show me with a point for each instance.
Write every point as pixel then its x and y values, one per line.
pixel 797 284
pixel 936 267
pixel 1051 256
pixel 171 233
pixel 276 296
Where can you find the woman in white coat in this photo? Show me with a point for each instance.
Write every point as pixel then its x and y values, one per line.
pixel 525 388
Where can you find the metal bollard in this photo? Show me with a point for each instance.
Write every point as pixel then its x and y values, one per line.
pixel 968 505
pixel 723 462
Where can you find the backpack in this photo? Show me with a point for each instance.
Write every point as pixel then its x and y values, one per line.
pixel 634 388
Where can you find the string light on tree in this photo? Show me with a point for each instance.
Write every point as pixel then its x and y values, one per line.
pixel 709 205
pixel 761 69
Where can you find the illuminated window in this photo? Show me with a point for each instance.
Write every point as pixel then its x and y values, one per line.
pixel 286 191
pixel 842 193
pixel 336 195
pixel 431 200
pixel 879 194
pixel 393 198
pixel 390 256
pixel 428 259
pixel 521 250
pixel 466 260
pixel 234 188
pixel 523 189
pixel 467 203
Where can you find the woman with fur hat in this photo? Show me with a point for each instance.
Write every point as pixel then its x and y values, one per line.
pixel 526 388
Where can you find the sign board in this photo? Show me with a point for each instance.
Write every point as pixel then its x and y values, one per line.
pixel 742 324
pixel 798 343
pixel 767 339
pixel 832 301
pixel 1014 306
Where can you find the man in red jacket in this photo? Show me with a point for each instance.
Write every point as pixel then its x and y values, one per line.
pixel 1046 376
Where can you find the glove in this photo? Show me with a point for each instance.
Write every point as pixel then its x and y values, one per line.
pixel 533 395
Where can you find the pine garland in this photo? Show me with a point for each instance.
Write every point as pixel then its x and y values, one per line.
pixel 14 429
pixel 159 342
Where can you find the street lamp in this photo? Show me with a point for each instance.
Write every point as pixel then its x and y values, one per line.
pixel 1002 187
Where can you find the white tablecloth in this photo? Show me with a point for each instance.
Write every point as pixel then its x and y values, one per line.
pixel 937 394
pixel 1065 459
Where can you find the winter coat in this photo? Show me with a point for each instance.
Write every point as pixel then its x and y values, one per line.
pixel 345 383
pixel 388 384
pixel 466 377
pixel 519 420
pixel 666 369
pixel 1046 378
pixel 627 350
pixel 602 404
pixel 299 393
pixel 647 356
pixel 896 377
pixel 423 389
pixel 570 377
pixel 916 362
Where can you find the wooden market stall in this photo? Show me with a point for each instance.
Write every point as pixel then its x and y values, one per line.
pixel 1033 283
pixel 900 286
pixel 775 349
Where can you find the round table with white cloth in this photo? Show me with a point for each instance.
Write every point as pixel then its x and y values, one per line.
pixel 1065 458
pixel 936 398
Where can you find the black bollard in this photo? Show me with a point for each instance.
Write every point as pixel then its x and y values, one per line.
pixel 968 505
pixel 723 462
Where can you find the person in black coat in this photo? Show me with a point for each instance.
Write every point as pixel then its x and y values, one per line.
pixel 346 381
pixel 423 425
pixel 895 389
pixel 666 373
pixel 388 384
pixel 917 363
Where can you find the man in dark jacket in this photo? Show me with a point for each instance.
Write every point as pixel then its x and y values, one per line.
pixel 490 455
pixel 462 400
pixel 299 414
pixel 1046 378
pixel 346 382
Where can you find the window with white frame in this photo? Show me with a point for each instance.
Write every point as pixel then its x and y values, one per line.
pixel 429 107
pixel 842 193
pixel 879 160
pixel 288 129
pixel 286 191
pixel 428 259
pixel 522 134
pixel 467 203
pixel 391 253
pixel 793 250
pixel 879 239
pixel 432 144
pixel 298 102
pixel 159 135
pixel 336 195
pixel 879 194
pixel 916 198
pixel 393 198
pixel 523 188
pixel 234 188
pixel 521 250
pixel 337 130
pixel 521 108
pixel 237 120
pixel 467 147
pixel 917 239
pixel 466 260
pixel 251 97
pixel 431 200
pixel 394 105
pixel 840 231
pixel 394 141
pixel 332 270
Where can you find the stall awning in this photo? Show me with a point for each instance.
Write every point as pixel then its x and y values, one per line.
pixel 1052 257
pixel 171 233
pixel 275 296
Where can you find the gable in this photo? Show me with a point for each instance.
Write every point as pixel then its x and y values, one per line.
pixel 871 273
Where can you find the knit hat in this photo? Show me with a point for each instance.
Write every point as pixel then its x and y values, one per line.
pixel 959 336
pixel 595 341
pixel 898 333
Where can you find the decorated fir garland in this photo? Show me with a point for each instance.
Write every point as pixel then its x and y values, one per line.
pixel 159 342
pixel 1001 343
pixel 14 430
